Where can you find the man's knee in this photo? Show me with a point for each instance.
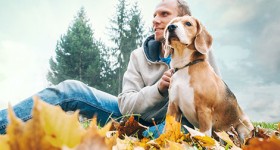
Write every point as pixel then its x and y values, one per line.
pixel 71 86
pixel 70 82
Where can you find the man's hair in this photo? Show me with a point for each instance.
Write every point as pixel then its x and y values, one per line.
pixel 183 8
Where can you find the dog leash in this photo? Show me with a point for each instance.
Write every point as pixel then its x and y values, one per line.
pixel 189 64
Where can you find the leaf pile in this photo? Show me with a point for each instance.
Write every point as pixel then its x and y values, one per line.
pixel 52 129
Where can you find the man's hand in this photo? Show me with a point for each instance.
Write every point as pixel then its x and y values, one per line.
pixel 165 81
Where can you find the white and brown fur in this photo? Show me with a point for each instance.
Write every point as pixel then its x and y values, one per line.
pixel 196 91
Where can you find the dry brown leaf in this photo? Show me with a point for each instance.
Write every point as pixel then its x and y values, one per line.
pixel 272 143
pixel 131 128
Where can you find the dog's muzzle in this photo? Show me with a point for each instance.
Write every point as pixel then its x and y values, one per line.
pixel 171 32
pixel 171 27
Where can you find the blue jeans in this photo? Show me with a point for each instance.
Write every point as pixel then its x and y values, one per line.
pixel 70 95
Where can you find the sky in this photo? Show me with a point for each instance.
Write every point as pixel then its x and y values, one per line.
pixel 246 36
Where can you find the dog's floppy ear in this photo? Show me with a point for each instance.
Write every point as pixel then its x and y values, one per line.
pixel 167 49
pixel 166 44
pixel 203 39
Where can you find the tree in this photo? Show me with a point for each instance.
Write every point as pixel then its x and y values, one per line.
pixel 77 54
pixel 107 74
pixel 127 33
pixel 136 34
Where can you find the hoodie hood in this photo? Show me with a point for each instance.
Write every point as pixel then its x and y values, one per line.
pixel 152 48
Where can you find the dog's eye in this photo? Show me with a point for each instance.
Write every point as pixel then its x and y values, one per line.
pixel 188 24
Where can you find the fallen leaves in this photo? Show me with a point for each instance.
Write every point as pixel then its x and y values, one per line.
pixel 51 128
pixel 272 143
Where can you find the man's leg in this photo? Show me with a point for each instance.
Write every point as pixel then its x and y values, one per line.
pixel 70 95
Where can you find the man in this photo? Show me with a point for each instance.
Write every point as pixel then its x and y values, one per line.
pixel 147 79
pixel 145 84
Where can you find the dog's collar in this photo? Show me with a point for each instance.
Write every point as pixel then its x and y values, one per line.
pixel 189 64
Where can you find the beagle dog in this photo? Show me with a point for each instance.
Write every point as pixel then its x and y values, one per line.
pixel 195 90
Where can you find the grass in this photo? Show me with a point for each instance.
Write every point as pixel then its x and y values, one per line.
pixel 86 123
pixel 273 126
pixel 266 125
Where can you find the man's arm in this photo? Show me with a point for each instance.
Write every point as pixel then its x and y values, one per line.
pixel 136 97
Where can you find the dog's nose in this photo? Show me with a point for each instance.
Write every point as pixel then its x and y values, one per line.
pixel 171 27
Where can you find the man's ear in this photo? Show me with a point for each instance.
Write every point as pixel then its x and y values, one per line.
pixel 203 40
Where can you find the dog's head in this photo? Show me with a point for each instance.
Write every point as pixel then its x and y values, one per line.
pixel 186 31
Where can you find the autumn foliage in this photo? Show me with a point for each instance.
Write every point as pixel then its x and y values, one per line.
pixel 52 129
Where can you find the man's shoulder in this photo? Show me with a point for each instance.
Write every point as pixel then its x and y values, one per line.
pixel 138 51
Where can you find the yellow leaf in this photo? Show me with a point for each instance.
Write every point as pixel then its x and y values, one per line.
pixel 105 129
pixel 92 140
pixel 102 131
pixel 51 128
pixel 172 125
pixel 225 137
pixel 34 133
pixel 95 138
pixel 26 136
pixel 128 143
pixel 174 146
pixel 172 132
pixel 109 140
pixel 60 128
pixel 14 130
pixel 4 142
pixel 205 141
pixel 143 143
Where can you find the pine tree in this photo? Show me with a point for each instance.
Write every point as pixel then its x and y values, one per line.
pixel 127 33
pixel 77 54
pixel 107 74
pixel 136 32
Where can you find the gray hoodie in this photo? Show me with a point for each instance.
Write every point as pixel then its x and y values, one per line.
pixel 140 94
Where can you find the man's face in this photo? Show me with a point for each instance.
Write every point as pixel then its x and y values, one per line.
pixel 164 12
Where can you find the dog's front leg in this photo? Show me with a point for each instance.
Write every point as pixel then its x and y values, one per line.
pixel 174 110
pixel 205 120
